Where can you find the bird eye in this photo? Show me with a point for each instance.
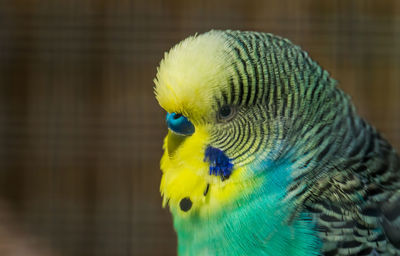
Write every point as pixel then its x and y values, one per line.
pixel 226 113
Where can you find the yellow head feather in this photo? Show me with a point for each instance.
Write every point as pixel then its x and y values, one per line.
pixel 191 74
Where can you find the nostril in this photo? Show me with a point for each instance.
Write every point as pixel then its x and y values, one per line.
pixel 177 116
pixel 179 124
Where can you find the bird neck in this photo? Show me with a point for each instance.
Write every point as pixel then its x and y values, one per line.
pixel 253 224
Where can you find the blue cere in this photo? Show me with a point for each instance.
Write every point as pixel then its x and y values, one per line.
pixel 220 164
pixel 179 124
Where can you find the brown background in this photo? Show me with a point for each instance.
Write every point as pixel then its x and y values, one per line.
pixel 81 132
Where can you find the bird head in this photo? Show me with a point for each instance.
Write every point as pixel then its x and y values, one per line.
pixel 237 103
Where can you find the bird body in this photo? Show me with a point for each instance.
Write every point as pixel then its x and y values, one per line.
pixel 265 155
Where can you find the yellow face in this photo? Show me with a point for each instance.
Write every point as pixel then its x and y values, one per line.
pixel 186 175
pixel 189 79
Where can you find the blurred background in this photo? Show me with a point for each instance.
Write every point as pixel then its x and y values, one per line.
pixel 81 132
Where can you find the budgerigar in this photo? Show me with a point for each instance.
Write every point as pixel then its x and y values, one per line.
pixel 265 155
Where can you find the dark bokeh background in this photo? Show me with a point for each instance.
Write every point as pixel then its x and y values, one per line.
pixel 81 132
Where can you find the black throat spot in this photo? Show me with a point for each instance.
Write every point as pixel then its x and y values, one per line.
pixel 185 204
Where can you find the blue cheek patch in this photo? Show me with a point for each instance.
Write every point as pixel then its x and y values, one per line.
pixel 220 164
pixel 179 124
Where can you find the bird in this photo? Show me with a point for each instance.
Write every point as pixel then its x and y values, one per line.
pixel 266 155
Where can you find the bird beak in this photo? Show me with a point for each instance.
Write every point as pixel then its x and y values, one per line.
pixel 174 141
pixel 179 129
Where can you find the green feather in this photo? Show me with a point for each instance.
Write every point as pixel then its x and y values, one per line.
pixel 323 180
